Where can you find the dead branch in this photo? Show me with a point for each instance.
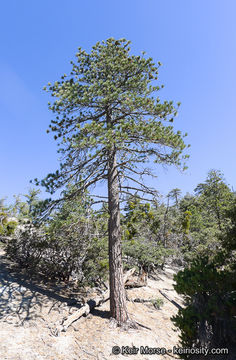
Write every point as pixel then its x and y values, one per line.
pixel 139 282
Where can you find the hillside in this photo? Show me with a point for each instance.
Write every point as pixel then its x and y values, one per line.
pixel 30 310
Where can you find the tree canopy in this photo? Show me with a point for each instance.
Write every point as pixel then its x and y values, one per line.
pixel 108 100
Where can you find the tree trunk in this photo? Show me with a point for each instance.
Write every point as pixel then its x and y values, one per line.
pixel 117 293
pixel 89 306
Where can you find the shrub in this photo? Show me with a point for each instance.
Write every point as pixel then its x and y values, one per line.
pixel 157 303
pixel 210 294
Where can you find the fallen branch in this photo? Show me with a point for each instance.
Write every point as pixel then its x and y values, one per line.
pixel 139 282
pixel 89 306
pixel 172 301
pixel 135 283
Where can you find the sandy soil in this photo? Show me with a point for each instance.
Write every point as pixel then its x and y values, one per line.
pixel 30 311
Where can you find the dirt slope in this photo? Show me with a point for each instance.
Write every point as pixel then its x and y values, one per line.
pixel 30 310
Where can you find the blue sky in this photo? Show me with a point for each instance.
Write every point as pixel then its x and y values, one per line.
pixel 194 39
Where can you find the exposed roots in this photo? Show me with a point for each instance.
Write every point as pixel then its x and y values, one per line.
pixel 129 324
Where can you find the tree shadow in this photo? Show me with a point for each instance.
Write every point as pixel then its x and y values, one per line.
pixel 22 298
pixel 104 314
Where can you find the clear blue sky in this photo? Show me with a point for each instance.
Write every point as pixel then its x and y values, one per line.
pixel 194 39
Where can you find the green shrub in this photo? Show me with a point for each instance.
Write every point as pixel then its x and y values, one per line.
pixel 210 294
pixel 157 303
pixel 11 227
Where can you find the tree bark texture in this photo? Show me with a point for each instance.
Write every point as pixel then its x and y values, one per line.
pixel 117 293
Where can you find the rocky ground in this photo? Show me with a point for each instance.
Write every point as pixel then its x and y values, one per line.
pixel 31 310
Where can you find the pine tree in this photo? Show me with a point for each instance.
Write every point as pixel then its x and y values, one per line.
pixel 217 195
pixel 111 121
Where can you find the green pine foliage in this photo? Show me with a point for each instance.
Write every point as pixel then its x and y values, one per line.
pixel 70 244
pixel 96 264
pixel 58 246
pixel 208 283
pixel 209 291
pixel 208 207
pixel 141 235
pixel 111 83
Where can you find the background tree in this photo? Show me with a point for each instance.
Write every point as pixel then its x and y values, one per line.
pixel 208 286
pixel 217 196
pixel 4 214
pixel 58 247
pixel 208 208
pixel 174 196
pixel 111 121
pixel 141 235
pixel 208 280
